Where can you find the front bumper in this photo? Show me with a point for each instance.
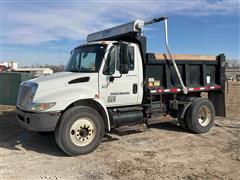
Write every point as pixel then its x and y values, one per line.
pixel 38 121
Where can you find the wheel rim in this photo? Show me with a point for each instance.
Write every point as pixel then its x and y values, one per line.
pixel 82 132
pixel 204 116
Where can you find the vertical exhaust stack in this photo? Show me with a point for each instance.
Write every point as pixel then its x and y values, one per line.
pixel 184 88
pixel 165 19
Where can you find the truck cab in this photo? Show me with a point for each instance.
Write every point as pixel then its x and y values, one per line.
pixel 111 81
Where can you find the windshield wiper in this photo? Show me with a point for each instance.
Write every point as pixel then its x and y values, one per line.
pixel 74 71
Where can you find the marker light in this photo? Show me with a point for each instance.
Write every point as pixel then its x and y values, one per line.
pixel 42 106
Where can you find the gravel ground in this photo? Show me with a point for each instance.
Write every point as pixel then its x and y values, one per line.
pixel 163 151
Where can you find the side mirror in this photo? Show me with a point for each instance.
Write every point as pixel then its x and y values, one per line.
pixel 124 68
pixel 124 58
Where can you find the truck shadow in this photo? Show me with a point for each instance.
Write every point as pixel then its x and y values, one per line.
pixel 15 138
pixel 166 126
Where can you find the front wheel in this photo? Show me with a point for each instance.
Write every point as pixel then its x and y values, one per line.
pixel 200 116
pixel 79 131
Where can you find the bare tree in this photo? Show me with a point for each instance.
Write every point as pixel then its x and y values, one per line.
pixel 55 68
pixel 233 64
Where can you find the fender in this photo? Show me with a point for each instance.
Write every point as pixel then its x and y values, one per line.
pixel 101 103
pixel 186 106
pixel 185 102
pixel 96 104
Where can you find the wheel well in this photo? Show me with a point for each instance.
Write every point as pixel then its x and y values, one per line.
pixel 188 104
pixel 93 104
pixel 184 104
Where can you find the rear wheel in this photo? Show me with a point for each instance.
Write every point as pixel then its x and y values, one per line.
pixel 200 116
pixel 183 124
pixel 79 131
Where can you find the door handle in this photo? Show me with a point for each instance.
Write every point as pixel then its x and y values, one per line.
pixel 135 88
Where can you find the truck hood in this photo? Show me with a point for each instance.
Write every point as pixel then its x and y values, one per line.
pixel 60 88
pixel 63 79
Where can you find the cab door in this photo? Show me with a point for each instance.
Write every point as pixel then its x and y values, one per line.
pixel 117 89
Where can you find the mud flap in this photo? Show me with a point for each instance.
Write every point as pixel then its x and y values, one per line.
pixel 218 100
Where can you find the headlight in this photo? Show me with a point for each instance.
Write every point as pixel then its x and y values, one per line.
pixel 42 106
pixel 26 94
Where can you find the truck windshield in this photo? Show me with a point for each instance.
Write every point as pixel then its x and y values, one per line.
pixel 86 59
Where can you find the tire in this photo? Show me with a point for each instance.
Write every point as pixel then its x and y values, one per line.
pixel 200 116
pixel 183 124
pixel 79 131
pixel 45 133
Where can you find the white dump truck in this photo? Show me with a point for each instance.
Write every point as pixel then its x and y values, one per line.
pixel 111 81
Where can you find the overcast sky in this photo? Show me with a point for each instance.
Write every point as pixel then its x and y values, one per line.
pixel 44 32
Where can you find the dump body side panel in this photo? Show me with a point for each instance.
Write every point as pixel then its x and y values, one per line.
pixel 195 73
pixel 199 74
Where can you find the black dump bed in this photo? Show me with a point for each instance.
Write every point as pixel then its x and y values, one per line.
pixel 199 73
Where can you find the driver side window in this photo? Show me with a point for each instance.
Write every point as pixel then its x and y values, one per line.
pixel 113 61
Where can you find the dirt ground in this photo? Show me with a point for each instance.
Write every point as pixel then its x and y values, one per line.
pixel 163 151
